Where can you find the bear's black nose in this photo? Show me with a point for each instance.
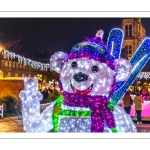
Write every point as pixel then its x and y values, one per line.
pixel 79 77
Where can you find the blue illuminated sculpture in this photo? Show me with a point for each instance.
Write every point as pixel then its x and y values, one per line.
pixel 138 60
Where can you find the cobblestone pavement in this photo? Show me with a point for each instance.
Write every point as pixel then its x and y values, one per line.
pixel 11 124
pixel 14 125
pixel 143 128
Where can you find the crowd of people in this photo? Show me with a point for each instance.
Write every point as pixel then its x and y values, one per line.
pixel 48 95
pixel 138 101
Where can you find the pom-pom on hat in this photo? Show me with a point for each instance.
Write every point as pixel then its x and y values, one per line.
pixel 93 48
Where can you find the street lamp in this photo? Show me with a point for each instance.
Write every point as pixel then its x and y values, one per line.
pixel 1 49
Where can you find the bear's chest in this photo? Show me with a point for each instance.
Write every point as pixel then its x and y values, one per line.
pixel 74 124
pixel 71 119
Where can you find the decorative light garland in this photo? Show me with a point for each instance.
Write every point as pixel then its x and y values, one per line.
pixel 60 111
pixel 143 75
pixel 26 61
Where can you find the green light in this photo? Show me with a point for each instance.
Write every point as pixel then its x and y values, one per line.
pixel 72 113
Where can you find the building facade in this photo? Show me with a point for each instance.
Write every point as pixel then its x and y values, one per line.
pixel 13 72
pixel 134 33
pixel 12 68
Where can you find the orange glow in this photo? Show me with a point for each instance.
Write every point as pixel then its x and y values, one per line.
pixel 1 49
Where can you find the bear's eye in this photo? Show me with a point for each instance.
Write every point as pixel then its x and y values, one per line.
pixel 95 69
pixel 74 65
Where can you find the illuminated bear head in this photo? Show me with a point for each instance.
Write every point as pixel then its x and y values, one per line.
pixel 90 68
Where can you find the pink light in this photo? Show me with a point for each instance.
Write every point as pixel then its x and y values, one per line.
pixel 145 110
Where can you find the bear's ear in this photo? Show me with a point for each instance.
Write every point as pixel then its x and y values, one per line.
pixel 57 61
pixel 123 69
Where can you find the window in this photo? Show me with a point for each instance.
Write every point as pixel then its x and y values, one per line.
pixel 16 74
pixel 10 64
pixel 23 75
pixel 14 65
pixel 9 74
pixel 27 67
pixel 3 63
pixel 128 49
pixel 6 64
pixel 17 65
pixel 128 30
pixel 20 66
pixel 24 66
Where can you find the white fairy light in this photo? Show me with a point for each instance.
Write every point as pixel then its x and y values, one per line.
pixel 33 120
pixel 26 61
pixel 101 79
pixel 143 75
pixel 71 124
pixel 55 61
pixel 85 75
pixel 122 67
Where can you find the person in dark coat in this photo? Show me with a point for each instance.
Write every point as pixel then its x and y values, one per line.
pixel 45 95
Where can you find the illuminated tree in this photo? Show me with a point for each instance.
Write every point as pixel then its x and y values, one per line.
pixel 11 43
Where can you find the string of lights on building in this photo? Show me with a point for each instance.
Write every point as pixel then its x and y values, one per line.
pixel 26 61
pixel 143 75
pixel 44 66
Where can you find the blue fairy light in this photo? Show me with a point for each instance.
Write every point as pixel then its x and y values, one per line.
pixel 138 61
pixel 114 43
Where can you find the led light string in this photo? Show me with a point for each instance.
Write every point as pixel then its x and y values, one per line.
pixel 58 111
pixel 138 61
pixel 26 61
pixel 119 94
pixel 88 78
pixel 77 112
pixel 114 43
pixel 143 75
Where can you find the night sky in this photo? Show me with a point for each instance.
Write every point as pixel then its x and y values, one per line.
pixel 56 34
